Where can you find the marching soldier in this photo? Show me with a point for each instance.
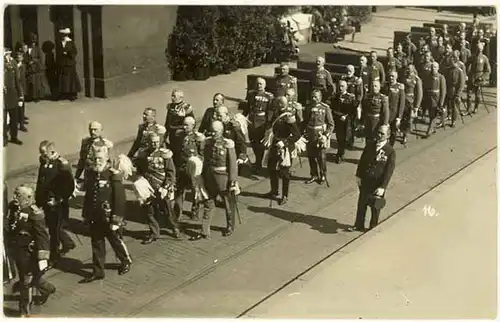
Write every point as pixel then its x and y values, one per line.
pixel 375 111
pixel 479 73
pixel 396 93
pixel 455 82
pixel 28 241
pixel 413 99
pixel 192 145
pixel 318 122
pixel 284 81
pixel 344 105
pixel 219 175
pixel 257 110
pixel 209 115
pixel 176 112
pixel 55 185
pixel 434 88
pixel 285 134
pixel 104 211
pixel 393 64
pixel 94 138
pixel 148 126
pixel 323 80
pixel 156 165
pixel 232 130
pixel 13 98
pixel 373 175
pixel 377 68
pixel 295 107
pixel 355 87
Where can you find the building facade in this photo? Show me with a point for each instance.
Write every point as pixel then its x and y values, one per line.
pixel 120 48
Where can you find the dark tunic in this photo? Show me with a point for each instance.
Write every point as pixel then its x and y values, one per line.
pixel 12 87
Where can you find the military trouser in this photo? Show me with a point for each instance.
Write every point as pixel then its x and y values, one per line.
pixel 256 134
pixel 208 211
pixel 55 221
pixel 371 127
pixel 431 103
pixel 99 231
pixel 22 115
pixel 365 192
pixel 12 127
pixel 184 182
pixel 29 278
pixel 155 209
pixel 473 88
pixel 344 132
pixel 394 132
pixel 453 105
pixel 317 159
pixel 175 145
pixel 276 171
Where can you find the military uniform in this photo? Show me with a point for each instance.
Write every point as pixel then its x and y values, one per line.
pixel 396 94
pixel 174 125
pixel 286 131
pixel 366 78
pixel 323 81
pixel 445 63
pixel 378 71
pixel 103 206
pixel 438 52
pixel 56 184
pixel 455 83
pixel 375 170
pixel 402 58
pixel 12 95
pixel 284 82
pixel 434 89
pixel 393 65
pixel 355 87
pixel 192 145
pixel 28 241
pixel 409 49
pixel 375 113
pixel 219 174
pixel 479 74
pixel 232 130
pixel 343 105
pixel 86 150
pixel 141 139
pixel 158 168
pixel 432 41
pixel 465 55
pixel 413 100
pixel 318 122
pixel 257 110
pixel 206 121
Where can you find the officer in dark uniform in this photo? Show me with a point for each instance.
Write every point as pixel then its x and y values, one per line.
pixel 257 110
pixel 295 108
pixel 176 112
pixel 413 99
pixel 446 60
pixel 148 125
pixel 232 130
pixel 373 175
pixel 455 82
pixel 377 67
pixel 322 79
pixel 319 124
pixel 284 81
pixel 355 87
pixel 365 74
pixel 343 105
pixel 285 134
pixel 434 88
pixel 13 98
pixel 401 56
pixel 156 165
pixel 28 242
pixel 479 74
pixel 375 111
pixel 393 64
pixel 192 145
pixel 220 172
pixel 409 48
pixel 432 39
pixel 55 185
pixel 396 93
pixel 209 115
pixel 104 210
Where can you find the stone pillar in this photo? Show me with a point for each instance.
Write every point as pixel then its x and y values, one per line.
pixel 16 24
pixel 78 40
pixel 45 27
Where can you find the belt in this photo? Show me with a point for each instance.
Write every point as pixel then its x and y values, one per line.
pixel 433 90
pixel 260 114
pixel 219 168
pixel 280 139
pixel 410 94
pixel 374 115
pixel 317 127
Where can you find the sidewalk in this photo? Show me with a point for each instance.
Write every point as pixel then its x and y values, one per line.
pixel 67 122
pixel 415 266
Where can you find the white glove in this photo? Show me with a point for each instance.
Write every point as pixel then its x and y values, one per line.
pixel 43 264
pixel 163 192
pixel 235 188
pixel 379 192
pixel 280 145
pixel 20 104
pixel 343 117
pixel 114 227
pixel 398 121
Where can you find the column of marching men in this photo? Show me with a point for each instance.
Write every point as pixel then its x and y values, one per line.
pixel 382 104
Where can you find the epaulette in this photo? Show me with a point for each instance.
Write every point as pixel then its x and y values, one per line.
pixel 401 86
pixel 63 160
pixel 298 106
pixel 107 143
pixel 116 175
pixel 235 124
pixel 199 136
pixel 37 211
pixel 350 94
pixel 293 79
pixel 290 119
pixel 228 143
pixel 86 140
pixel 165 153
pixel 114 171
pixel 359 81
pixel 323 104
pixel 270 94
pixel 187 106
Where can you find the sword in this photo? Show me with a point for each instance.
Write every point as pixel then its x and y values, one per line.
pixel 234 201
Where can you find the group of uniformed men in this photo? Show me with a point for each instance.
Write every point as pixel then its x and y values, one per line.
pixel 174 157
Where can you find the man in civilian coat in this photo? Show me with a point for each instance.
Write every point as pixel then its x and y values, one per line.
pixel 13 98
pixel 373 175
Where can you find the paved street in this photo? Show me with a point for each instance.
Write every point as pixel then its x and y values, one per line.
pixel 415 265
pixel 226 276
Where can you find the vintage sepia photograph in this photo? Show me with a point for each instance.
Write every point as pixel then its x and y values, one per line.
pixel 251 161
